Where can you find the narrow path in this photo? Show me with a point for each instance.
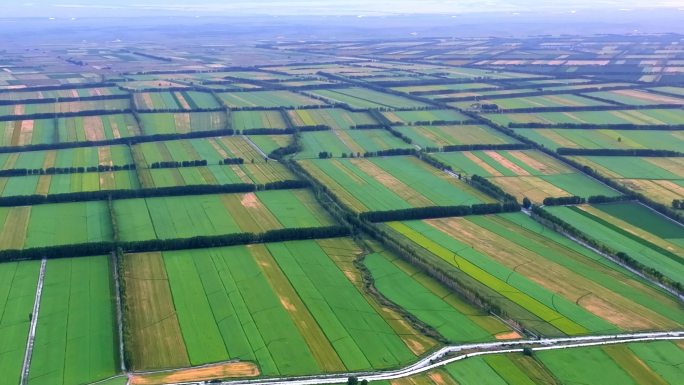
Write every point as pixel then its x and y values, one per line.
pixel 119 312
pixel 34 323
pixel 249 141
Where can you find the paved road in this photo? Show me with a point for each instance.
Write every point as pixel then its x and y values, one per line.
pixel 449 354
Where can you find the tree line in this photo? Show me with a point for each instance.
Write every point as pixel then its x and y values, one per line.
pixel 645 152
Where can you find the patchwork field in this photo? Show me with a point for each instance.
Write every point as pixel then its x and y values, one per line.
pixel 213 150
pixel 568 100
pixel 288 306
pixel 61 94
pixel 18 281
pixel 365 98
pixel 247 120
pixel 661 179
pixel 26 132
pixel 94 128
pixel 64 107
pixel 75 335
pixel 267 99
pixel 665 255
pixel 335 118
pixel 217 214
pixel 258 173
pixel 606 138
pixel 54 224
pixel 182 122
pixel 637 117
pixel 339 142
pixel 177 100
pixel 68 183
pixel 554 285
pixel 117 155
pixel 423 116
pixel 440 136
pixel 637 97
pixel 392 183
pixel 526 173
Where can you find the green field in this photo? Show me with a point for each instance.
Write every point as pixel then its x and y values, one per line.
pixel 267 99
pixel 554 285
pixel 258 173
pixel 392 183
pixel 26 132
pixel 286 306
pixel 637 117
pixel 440 136
pixel 339 142
pixel 168 217
pixel 65 107
pixel 637 97
pixel 54 224
pixel 177 100
pixel 365 98
pixel 410 117
pixel 182 122
pixel 68 183
pixel 85 157
pixel 431 302
pixel 335 118
pixel 18 281
pixel 543 101
pixel 527 173
pixel 605 138
pixel 75 336
pixel 247 120
pixel 665 255
pixel 213 150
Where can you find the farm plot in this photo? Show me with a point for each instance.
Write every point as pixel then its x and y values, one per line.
pixel 269 143
pixel 54 224
pixel 213 150
pixel 563 287
pixel 248 120
pixel 661 179
pixel 258 173
pixel 53 94
pixel 443 88
pixel 18 281
pixel 392 183
pixel 67 158
pixel 424 116
pixel 335 118
pixel 637 97
pixel 182 122
pixel 525 173
pixel 656 117
pixel 341 142
pixel 607 138
pixel 75 334
pixel 285 306
pixel 94 128
pixel 679 91
pixel 542 101
pixel 217 214
pixel 267 99
pixel 26 132
pixel 646 248
pixel 68 183
pixel 363 98
pixel 65 107
pixel 440 136
pixel 178 100
pixel 432 303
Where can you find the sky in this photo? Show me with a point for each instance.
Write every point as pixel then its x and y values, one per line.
pixel 90 8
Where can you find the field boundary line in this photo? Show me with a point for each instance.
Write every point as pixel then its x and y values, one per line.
pixel 34 323
pixel 119 312
pixel 249 141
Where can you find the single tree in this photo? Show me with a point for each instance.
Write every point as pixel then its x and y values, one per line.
pixel 527 203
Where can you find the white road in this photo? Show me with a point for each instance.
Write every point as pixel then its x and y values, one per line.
pixel 450 354
pixel 34 321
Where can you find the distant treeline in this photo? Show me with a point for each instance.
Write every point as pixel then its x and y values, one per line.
pixel 62 99
pixel 438 212
pixel 607 126
pixel 64 170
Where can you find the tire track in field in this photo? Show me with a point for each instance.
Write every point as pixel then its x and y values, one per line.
pixel 34 323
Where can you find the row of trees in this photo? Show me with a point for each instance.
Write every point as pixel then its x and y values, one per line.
pixel 438 212
pixel 590 126
pixel 562 226
pixel 618 152
pixel 64 170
